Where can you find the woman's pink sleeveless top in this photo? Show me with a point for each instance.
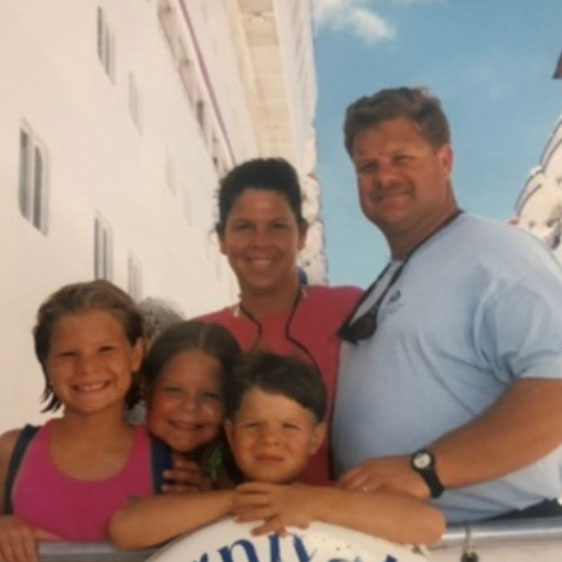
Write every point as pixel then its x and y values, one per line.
pixel 76 510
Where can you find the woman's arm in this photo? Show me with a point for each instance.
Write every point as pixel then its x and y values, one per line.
pixel 391 516
pixel 150 521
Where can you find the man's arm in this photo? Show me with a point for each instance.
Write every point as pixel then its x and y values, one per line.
pixel 524 425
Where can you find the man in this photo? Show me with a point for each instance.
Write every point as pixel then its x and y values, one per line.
pixel 451 384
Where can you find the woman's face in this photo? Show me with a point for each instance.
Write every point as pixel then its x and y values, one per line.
pixel 185 408
pixel 261 240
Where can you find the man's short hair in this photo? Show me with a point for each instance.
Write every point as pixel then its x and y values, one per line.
pixel 414 104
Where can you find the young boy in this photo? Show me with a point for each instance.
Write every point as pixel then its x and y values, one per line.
pixel 275 408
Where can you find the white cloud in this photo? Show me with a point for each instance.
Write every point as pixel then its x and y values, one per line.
pixel 358 17
pixel 326 10
pixel 369 26
pixel 353 16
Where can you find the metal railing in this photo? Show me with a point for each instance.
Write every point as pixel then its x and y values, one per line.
pixel 472 535
pixel 504 531
pixel 89 552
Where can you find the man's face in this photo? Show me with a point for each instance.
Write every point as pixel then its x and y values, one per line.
pixel 404 182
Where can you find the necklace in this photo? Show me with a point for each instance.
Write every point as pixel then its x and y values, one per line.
pixel 301 294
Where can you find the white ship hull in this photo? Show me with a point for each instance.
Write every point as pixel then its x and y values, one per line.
pixel 117 119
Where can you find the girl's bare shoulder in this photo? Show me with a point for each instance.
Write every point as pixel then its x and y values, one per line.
pixel 7 444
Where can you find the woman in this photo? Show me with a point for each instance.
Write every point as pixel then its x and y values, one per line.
pixel 261 230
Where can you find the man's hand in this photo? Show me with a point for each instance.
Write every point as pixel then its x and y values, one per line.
pixel 18 541
pixel 185 476
pixel 277 505
pixel 390 474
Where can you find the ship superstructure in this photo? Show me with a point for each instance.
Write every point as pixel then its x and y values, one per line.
pixel 118 119
pixel 539 205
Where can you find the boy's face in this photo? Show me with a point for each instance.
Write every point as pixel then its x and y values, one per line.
pixel 272 437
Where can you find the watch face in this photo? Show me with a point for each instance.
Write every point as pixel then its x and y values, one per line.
pixel 422 460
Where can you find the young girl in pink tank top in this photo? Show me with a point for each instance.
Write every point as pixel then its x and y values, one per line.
pixel 81 467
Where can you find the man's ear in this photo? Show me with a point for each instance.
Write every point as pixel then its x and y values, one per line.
pixel 318 436
pixel 446 157
pixel 228 432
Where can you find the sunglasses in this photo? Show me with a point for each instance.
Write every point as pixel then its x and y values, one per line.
pixel 364 326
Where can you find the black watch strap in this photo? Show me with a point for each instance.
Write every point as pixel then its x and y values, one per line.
pixel 423 462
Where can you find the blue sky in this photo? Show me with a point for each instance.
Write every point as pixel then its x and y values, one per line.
pixel 489 61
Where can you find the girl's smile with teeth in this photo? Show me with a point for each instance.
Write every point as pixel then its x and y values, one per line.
pixel 186 425
pixel 91 387
pixel 186 409
pixel 90 361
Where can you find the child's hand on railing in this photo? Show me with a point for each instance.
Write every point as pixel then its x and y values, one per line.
pixel 278 506
pixel 185 476
pixel 18 541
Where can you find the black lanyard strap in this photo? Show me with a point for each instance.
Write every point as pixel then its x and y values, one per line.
pixel 363 327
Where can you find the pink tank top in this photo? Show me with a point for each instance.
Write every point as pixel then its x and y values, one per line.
pixel 76 510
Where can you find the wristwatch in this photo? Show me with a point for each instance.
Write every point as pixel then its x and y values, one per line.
pixel 423 462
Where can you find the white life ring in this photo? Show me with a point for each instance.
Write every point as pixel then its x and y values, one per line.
pixel 228 541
